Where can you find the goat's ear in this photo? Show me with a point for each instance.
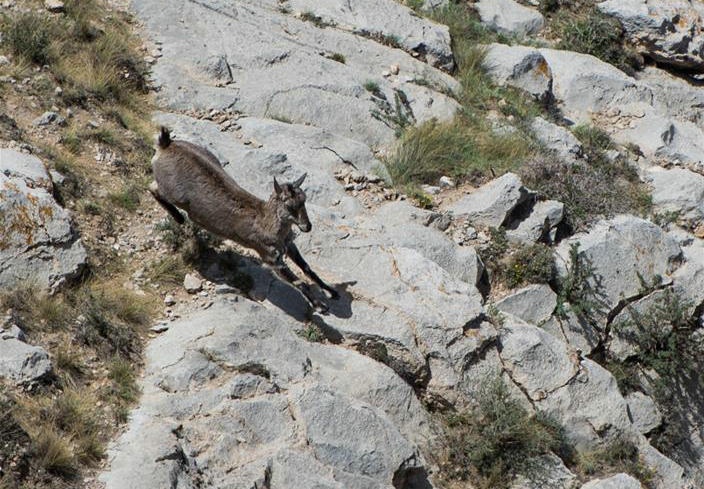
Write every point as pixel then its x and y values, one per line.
pixel 277 187
pixel 298 182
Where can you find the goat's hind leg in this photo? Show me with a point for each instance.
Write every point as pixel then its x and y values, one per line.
pixel 170 208
pixel 295 255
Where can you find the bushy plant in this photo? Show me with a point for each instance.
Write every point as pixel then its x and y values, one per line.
pixel 496 440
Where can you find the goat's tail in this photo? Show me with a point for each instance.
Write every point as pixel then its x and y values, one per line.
pixel 164 137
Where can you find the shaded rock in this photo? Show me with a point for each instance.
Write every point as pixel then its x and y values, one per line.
pixel 623 251
pixel 667 31
pixel 39 242
pixel 21 363
pixel 618 481
pixel 509 17
pixel 521 67
pixel 54 6
pixel 689 278
pixel 576 331
pixel 491 204
pixel 536 360
pixel 627 325
pixel 534 304
pixel 540 224
pixel 557 138
pixel 679 192
pixel 644 412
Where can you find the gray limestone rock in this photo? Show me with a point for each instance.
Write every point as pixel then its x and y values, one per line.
pixel 521 67
pixel 622 251
pixel 492 204
pixel 667 31
pixel 557 138
pixel 577 331
pixel 679 192
pixel 39 242
pixel 583 84
pixel 389 19
pixel 21 363
pixel 536 360
pixel 265 402
pixel 589 406
pixel 546 472
pixel 509 17
pixel 533 304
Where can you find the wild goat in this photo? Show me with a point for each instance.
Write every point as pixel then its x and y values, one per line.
pixel 191 178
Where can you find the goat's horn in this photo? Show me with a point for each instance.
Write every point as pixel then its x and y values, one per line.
pixel 298 182
pixel 277 187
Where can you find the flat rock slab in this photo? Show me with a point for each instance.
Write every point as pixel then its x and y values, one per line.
pixel 270 405
pixel 38 242
pixel 283 67
pixel 393 20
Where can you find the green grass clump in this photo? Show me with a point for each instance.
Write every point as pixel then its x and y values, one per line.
pixel 495 441
pixel 29 36
pixel 618 455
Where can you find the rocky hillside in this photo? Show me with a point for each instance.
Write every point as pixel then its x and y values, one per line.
pixel 508 197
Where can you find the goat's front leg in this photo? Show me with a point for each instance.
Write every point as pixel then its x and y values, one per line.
pixel 285 273
pixel 295 255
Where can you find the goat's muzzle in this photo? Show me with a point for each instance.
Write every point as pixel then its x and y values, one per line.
pixel 305 226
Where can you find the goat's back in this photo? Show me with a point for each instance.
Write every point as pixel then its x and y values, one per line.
pixel 191 178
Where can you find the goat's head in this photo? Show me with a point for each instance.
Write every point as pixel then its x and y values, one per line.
pixel 291 200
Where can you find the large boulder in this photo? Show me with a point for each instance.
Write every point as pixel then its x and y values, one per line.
pixel 38 242
pixel 623 252
pixel 509 17
pixel 521 67
pixel 584 85
pixel 668 32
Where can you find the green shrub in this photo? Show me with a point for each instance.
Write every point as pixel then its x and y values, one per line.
pixel 590 191
pixel 618 455
pixel 492 443
pixel 531 264
pixel 580 288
